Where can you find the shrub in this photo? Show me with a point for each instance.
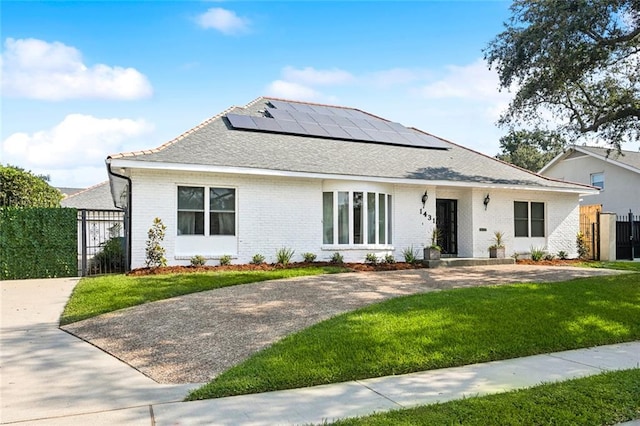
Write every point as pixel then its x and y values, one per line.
pixel 371 258
pixel 225 259
pixel 388 258
pixel 257 259
pixel 549 256
pixel 337 258
pixel 198 260
pixel 410 255
pixel 562 255
pixel 154 251
pixel 110 258
pixel 515 255
pixel 537 254
pixel 284 255
pixel 581 246
pixel 309 257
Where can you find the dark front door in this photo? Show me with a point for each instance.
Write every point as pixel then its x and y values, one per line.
pixel 447 223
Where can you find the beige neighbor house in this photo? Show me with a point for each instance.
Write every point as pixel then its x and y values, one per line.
pixel 323 179
pixel 617 174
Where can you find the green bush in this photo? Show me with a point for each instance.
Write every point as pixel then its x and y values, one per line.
pixel 337 258
pixel 309 257
pixel 111 257
pixel 562 255
pixel 198 260
pixel 284 255
pixel 225 260
pixel 38 243
pixel 371 258
pixel 537 254
pixel 388 258
pixel 410 255
pixel 581 246
pixel 257 259
pixel 154 250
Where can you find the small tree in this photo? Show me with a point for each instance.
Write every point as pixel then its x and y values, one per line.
pixel 21 188
pixel 155 251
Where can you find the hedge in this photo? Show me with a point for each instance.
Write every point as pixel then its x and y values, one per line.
pixel 38 242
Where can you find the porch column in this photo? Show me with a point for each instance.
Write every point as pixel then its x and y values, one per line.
pixel 607 237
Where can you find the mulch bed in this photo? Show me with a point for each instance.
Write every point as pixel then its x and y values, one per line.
pixel 355 267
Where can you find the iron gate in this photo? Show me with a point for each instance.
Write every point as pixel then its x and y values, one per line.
pixel 628 237
pixel 102 242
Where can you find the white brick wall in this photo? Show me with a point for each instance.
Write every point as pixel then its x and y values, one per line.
pixel 276 212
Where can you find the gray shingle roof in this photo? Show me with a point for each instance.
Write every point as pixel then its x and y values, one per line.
pixel 97 197
pixel 216 143
pixel 629 158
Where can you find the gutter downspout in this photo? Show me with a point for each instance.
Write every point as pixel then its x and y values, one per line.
pixel 127 211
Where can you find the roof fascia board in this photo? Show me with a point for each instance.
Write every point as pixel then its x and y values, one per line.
pixel 124 163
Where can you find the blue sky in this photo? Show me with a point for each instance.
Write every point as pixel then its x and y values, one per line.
pixel 82 80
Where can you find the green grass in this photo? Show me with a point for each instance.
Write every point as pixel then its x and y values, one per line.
pixel 99 295
pixel 443 329
pixel 605 399
pixel 623 266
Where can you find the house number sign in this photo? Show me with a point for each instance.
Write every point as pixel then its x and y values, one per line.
pixel 423 212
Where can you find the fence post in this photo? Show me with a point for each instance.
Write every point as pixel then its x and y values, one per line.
pixel 607 237
pixel 84 243
pixel 631 234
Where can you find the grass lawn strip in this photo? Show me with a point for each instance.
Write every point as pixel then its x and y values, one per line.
pixel 444 329
pixel 100 295
pixel 608 398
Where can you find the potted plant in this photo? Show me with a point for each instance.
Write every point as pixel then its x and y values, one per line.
pixel 433 251
pixel 496 250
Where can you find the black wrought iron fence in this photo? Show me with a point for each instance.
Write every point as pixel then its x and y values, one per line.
pixel 102 243
pixel 628 236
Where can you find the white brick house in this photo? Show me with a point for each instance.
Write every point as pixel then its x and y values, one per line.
pixel 326 179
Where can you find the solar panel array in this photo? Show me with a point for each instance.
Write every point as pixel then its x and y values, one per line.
pixel 334 123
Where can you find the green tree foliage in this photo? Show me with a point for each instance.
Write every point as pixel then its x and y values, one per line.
pixel 530 149
pixel 154 250
pixel 577 60
pixel 20 188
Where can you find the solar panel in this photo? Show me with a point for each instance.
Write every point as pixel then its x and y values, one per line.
pixel 332 122
pixel 241 121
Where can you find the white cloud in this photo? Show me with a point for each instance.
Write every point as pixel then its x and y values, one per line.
pixel 294 91
pixel 78 142
pixel 37 69
pixel 223 20
pixel 474 81
pixel 314 77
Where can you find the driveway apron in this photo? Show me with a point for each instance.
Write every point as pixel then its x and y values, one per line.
pixel 48 373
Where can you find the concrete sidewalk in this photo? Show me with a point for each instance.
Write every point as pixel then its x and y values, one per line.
pixel 51 378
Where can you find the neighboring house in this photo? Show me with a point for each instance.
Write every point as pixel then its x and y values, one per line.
pixel 325 179
pixel 69 191
pixel 97 197
pixel 617 174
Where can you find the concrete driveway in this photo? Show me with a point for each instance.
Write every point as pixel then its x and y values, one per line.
pixel 48 373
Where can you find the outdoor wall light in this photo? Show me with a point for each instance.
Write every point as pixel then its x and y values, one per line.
pixel 486 201
pixel 425 197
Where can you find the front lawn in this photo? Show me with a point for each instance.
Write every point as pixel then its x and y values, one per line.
pixel 619 265
pixel 443 329
pixel 99 295
pixel 605 399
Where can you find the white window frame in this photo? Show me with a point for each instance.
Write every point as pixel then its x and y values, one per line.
pixel 207 245
pixel 530 219
pixel 365 223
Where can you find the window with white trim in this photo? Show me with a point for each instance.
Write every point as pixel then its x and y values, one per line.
pixel 216 213
pixel 356 218
pixel 597 179
pixel 528 219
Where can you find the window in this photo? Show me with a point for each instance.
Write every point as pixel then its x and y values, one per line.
pixel 192 206
pixel 528 219
pixel 597 179
pixel 356 218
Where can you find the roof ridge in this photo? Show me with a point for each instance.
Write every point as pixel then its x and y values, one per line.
pixel 612 149
pixel 87 189
pixel 324 105
pixel 178 138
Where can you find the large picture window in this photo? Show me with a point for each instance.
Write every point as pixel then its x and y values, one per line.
pixel 528 219
pixel 356 218
pixel 215 213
